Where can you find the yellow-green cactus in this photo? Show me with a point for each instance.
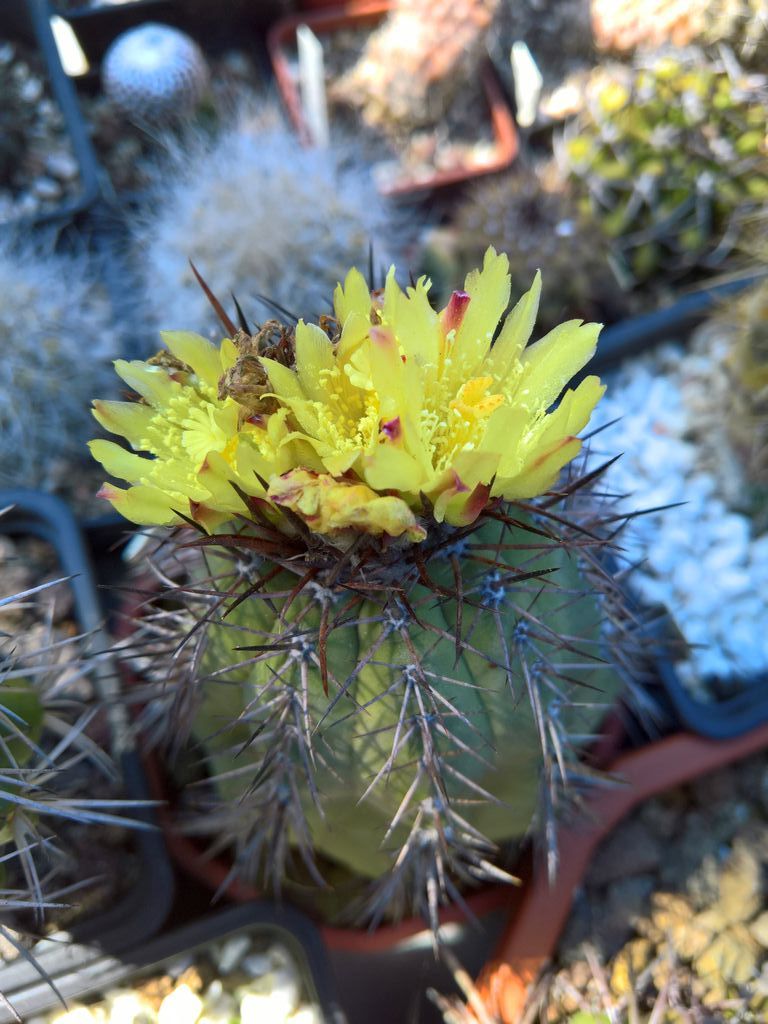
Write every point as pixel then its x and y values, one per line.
pixel 670 157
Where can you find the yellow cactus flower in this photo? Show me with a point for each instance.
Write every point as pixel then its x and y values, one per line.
pixel 417 402
pixel 402 403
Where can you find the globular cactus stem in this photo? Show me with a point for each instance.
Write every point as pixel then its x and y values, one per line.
pixel 155 73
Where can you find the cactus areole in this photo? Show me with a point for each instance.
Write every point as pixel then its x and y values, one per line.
pixel 392 628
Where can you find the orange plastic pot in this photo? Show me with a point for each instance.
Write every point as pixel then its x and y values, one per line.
pixel 538 917
pixel 368 12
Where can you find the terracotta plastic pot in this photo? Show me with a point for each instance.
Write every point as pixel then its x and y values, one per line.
pixel 368 12
pixel 539 916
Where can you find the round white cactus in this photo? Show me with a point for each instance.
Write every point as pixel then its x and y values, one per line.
pixel 155 73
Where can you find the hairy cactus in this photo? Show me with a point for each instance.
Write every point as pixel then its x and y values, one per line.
pixel 531 216
pixel 56 339
pixel 670 157
pixel 397 639
pixel 155 73
pixel 420 58
pixel 259 215
pixel 625 25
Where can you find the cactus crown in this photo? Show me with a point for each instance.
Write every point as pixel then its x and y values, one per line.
pixel 387 639
pixel 670 157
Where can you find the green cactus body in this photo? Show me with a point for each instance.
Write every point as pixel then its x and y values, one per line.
pixel 21 725
pixel 488 741
pixel 670 158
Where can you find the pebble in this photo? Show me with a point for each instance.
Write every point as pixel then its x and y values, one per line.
pixel 273 995
pixel 47 189
pixel 701 559
pixel 62 165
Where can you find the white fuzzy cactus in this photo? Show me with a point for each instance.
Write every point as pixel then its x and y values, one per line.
pixel 56 340
pixel 155 73
pixel 258 214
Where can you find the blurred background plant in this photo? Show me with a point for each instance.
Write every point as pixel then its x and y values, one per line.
pixel 669 157
pixel 264 219
pixel 56 338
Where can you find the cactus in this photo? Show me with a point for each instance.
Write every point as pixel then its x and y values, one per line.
pixel 411 68
pixel 747 365
pixel 626 25
pixel 530 215
pixel 670 157
pixel 42 737
pixel 155 73
pixel 50 308
pixel 259 215
pixel 388 653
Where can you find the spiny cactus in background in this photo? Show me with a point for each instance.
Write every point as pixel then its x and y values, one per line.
pixel 626 25
pixel 422 56
pixel 155 73
pixel 259 215
pixel 42 739
pixel 670 157
pixel 746 319
pixel 17 111
pixel 395 643
pixel 56 339
pixel 530 215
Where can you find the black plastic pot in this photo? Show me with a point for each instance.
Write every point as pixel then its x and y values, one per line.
pixel 29 21
pixel 144 910
pixel 634 335
pixel 75 980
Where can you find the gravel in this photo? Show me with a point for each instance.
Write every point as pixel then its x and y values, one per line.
pixel 243 978
pixel 704 558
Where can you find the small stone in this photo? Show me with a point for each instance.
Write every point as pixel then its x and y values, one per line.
pixel 47 189
pixel 256 965
pixel 264 1009
pixel 182 1006
pixel 231 954
pixel 62 165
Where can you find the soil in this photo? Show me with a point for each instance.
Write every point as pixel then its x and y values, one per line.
pixel 38 169
pixel 674 907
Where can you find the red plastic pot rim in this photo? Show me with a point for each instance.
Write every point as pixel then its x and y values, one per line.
pixel 361 12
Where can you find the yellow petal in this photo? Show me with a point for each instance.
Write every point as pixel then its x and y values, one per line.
pixel 151 382
pixel 515 333
pixel 284 382
pixel 314 354
pixel 542 472
pixel 144 505
pixel 197 352
pixel 129 419
pixel 488 290
pixel 353 297
pixel 552 362
pixel 390 468
pixel 118 462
